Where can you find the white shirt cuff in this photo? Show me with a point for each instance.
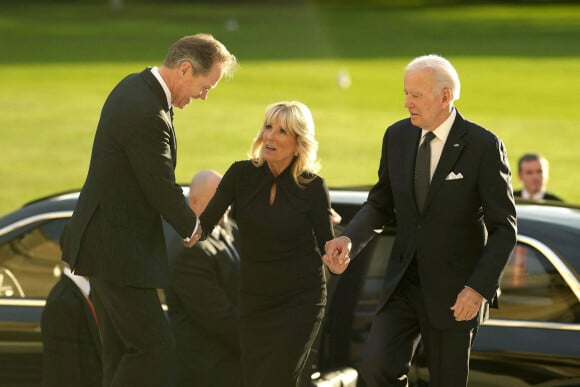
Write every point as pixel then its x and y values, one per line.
pixel 188 239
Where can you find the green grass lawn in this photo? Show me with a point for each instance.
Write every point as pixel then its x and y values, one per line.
pixel 519 67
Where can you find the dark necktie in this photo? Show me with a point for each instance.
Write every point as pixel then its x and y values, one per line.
pixel 423 170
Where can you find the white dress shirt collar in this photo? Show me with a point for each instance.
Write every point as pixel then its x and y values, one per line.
pixel 537 196
pixel 155 72
pixel 82 282
pixel 441 133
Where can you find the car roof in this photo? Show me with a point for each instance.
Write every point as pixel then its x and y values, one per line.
pixel 550 213
pixel 557 214
pixel 556 225
pixel 555 222
pixel 57 203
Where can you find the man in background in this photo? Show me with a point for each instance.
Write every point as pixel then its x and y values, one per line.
pixel 533 173
pixel 202 298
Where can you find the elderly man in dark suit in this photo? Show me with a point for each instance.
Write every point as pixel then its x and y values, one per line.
pixel 115 236
pixel 445 183
pixel 202 299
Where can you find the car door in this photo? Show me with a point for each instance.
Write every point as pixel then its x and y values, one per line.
pixel 533 337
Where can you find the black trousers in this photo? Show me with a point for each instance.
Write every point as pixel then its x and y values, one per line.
pixel 137 339
pixel 398 329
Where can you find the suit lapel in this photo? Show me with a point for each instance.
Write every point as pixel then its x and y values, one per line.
pixel 159 93
pixel 173 145
pixel 451 151
pixel 410 154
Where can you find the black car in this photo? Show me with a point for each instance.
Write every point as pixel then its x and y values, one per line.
pixel 534 339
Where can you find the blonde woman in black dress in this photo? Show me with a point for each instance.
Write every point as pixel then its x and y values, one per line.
pixel 283 213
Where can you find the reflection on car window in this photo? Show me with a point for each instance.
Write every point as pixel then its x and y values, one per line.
pixel 532 289
pixel 30 261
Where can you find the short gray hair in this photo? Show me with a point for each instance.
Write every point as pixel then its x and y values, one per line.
pixel 202 51
pixel 445 74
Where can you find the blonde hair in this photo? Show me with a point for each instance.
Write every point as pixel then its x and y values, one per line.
pixel 295 117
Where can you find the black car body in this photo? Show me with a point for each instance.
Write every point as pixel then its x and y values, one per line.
pixel 533 339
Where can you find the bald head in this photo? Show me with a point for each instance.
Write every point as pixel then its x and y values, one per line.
pixel 202 188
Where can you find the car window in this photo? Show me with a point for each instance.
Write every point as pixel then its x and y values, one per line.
pixel 533 290
pixel 30 261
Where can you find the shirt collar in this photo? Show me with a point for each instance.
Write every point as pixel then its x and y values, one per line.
pixel 537 196
pixel 82 282
pixel 442 131
pixel 155 72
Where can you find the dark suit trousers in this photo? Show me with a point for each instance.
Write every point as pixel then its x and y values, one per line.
pixel 396 332
pixel 137 339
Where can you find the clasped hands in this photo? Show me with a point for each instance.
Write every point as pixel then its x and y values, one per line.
pixel 336 255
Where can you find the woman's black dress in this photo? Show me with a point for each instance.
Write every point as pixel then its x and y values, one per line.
pixel 282 283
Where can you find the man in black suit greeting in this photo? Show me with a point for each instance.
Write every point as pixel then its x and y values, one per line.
pixel 202 298
pixel 115 236
pixel 445 183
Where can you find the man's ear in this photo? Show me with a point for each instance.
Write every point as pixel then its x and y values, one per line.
pixel 446 95
pixel 184 68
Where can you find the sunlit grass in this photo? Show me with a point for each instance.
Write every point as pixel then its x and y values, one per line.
pixel 519 66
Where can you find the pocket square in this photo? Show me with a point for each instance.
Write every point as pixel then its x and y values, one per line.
pixel 454 176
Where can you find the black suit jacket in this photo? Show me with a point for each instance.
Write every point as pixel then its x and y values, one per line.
pixel 72 346
pixel 202 299
pixel 468 226
pixel 116 232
